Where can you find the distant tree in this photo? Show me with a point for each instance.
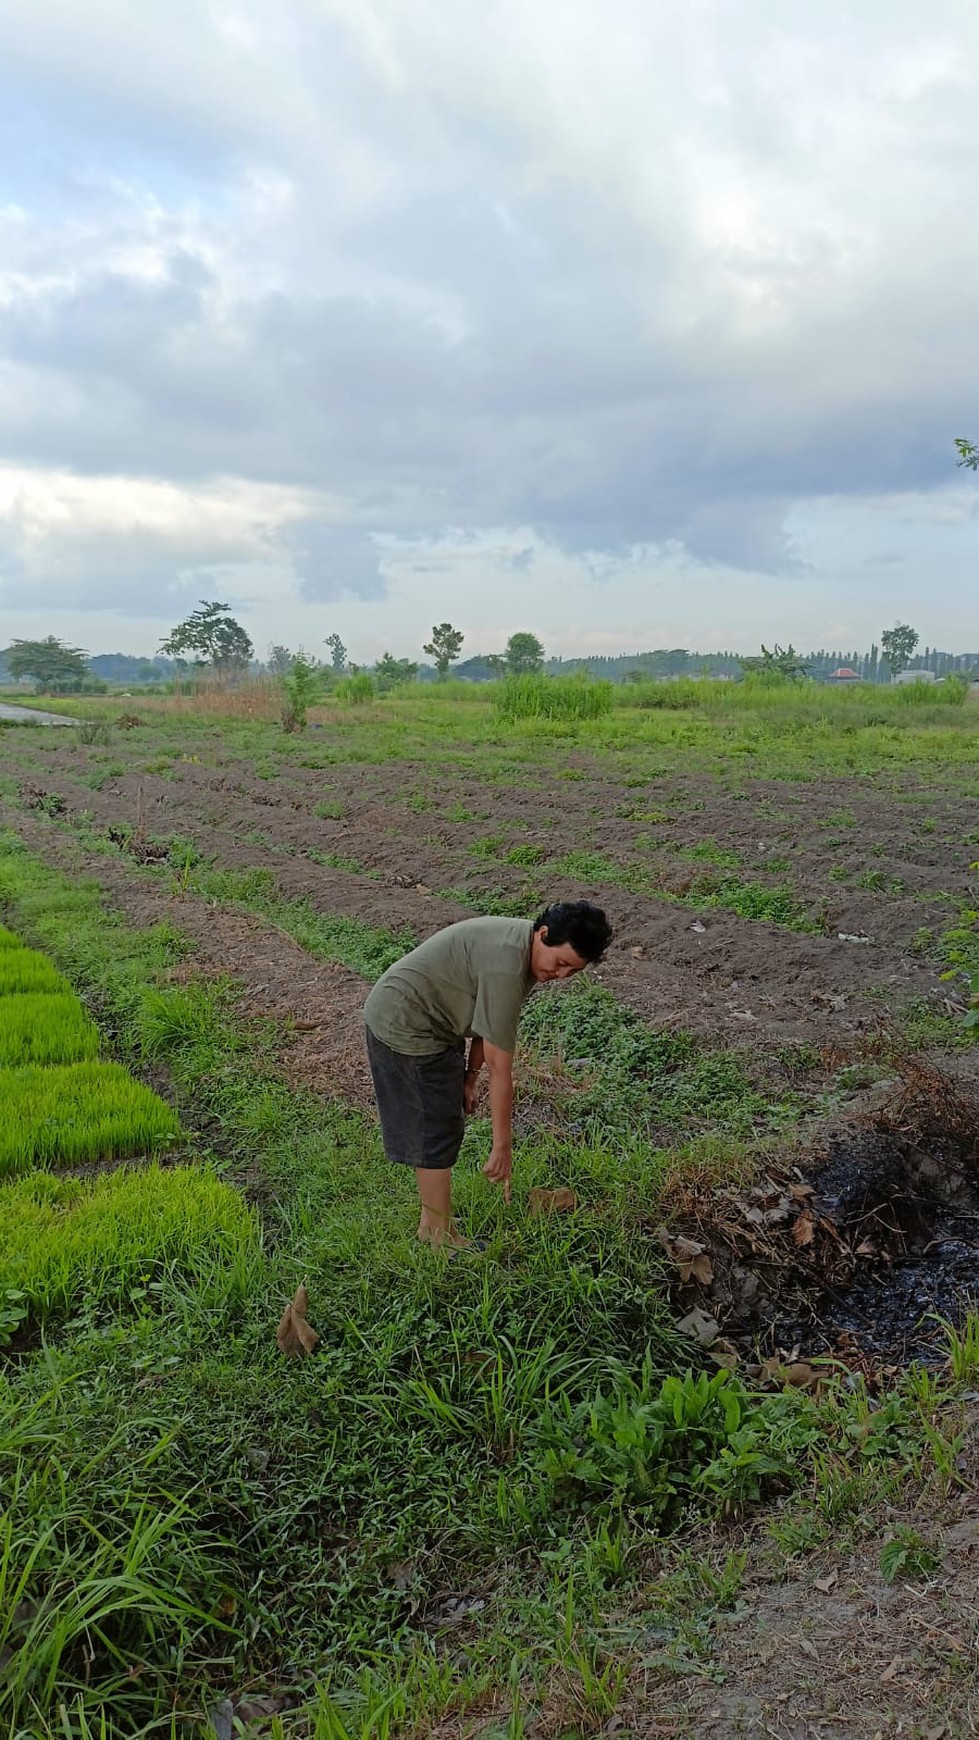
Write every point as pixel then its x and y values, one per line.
pixel 280 661
pixel 338 653
pixel 390 671
pixel 897 646
pixel 49 663
pixel 215 638
pixel 523 655
pixel 496 662
pixel 444 647
pixel 968 453
pixel 776 665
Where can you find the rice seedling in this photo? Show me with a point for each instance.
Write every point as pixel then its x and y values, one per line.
pixel 45 1027
pixel 67 1114
pixel 62 1239
pixel 8 940
pixel 26 970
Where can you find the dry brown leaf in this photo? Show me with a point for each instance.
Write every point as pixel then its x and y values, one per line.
pixel 724 1353
pixel 803 1230
pixel 294 1335
pixel 936 1732
pixel 892 1670
pixel 700 1326
pixel 561 1201
pixel 826 1584
pixel 801 1375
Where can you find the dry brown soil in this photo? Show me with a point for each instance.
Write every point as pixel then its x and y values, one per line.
pixel 707 969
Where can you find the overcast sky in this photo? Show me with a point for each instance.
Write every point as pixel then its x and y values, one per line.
pixel 628 322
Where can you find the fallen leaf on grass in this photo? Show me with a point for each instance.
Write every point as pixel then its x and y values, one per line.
pixel 560 1201
pixel 803 1230
pixel 936 1733
pixel 724 1353
pixel 826 1584
pixel 892 1670
pixel 294 1335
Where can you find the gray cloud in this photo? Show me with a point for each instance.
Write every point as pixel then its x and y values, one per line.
pixel 656 289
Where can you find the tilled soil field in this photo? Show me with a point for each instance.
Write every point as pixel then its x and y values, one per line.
pixel 864 876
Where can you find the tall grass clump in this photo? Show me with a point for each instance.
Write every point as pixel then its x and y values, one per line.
pixel 540 697
pixel 26 970
pixel 950 692
pixel 68 1114
pixel 45 1027
pixel 64 1238
pixel 356 690
pixel 8 940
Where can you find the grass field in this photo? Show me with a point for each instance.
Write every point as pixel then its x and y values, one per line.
pixel 505 1494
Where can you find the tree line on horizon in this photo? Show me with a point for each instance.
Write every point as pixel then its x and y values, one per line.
pixel 210 641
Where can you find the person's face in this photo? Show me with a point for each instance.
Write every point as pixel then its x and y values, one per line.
pixel 549 962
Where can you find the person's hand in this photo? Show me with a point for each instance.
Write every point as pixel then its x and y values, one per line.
pixel 470 1094
pixel 499 1168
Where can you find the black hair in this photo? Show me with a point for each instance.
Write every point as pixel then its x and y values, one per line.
pixel 579 923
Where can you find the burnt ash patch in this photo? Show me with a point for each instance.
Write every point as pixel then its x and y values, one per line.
pixel 855 1256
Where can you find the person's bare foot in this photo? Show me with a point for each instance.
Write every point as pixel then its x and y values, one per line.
pixel 441 1237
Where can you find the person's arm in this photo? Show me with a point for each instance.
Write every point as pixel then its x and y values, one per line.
pixel 470 1092
pixel 499 1166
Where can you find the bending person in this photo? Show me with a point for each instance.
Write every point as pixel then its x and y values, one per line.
pixel 469 981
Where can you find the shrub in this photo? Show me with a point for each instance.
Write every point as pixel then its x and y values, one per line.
pixel 540 697
pixel 77 1112
pixel 301 686
pixel 45 1027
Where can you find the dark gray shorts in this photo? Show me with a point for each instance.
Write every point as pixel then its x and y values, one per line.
pixel 420 1103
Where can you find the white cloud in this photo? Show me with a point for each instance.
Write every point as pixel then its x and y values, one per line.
pixel 663 297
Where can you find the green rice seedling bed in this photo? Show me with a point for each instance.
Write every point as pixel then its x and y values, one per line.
pixel 45 1027
pixel 67 1114
pixel 63 1240
pixel 26 970
pixel 8 940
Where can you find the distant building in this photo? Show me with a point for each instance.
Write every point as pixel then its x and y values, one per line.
pixel 845 674
pixel 915 677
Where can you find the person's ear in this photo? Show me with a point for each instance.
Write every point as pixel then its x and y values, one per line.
pixel 542 933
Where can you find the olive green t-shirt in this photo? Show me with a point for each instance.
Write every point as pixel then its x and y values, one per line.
pixel 470 979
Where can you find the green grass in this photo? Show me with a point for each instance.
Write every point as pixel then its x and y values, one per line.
pixel 45 1027
pixel 26 970
pixel 539 698
pixel 774 903
pixel 631 1079
pixel 362 947
pixel 8 940
pixel 65 1239
pixel 66 1115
